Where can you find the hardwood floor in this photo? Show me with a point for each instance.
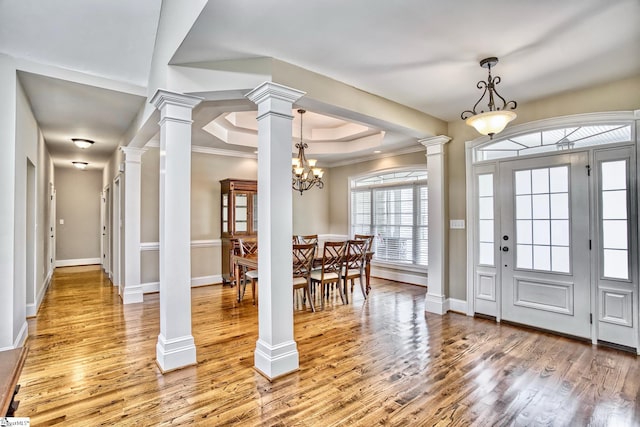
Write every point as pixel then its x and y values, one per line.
pixel 380 362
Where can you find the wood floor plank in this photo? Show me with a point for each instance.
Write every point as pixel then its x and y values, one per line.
pixel 382 361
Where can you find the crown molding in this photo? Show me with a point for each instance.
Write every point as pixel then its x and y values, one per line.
pixel 399 152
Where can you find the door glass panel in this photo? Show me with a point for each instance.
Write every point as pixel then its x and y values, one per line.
pixel 614 234
pixel 524 256
pixel 541 258
pixel 560 259
pixel 524 227
pixel 541 232
pixel 523 207
pixel 560 232
pixel 540 181
pixel 541 206
pixel 614 176
pixel 485 185
pixel 523 182
pixel 486 253
pixel 614 222
pixel 540 240
pixel 560 206
pixel 615 264
pixel 558 180
pixel 614 204
pixel 485 220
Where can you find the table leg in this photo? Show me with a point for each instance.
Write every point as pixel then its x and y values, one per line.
pixel 236 271
pixel 367 275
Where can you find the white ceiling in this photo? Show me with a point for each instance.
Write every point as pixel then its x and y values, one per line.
pixel 421 53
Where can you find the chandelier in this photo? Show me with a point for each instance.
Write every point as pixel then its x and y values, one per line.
pixel 493 121
pixel 305 173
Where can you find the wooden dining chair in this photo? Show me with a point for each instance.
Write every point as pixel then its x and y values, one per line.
pixel 303 255
pixel 353 267
pixel 310 238
pixel 366 237
pixel 248 247
pixel 329 272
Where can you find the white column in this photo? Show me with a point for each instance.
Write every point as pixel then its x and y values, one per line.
pixel 175 348
pixel 276 352
pixel 132 174
pixel 435 300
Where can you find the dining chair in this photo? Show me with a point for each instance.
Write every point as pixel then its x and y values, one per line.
pixel 353 267
pixel 310 238
pixel 248 247
pixel 369 252
pixel 329 272
pixel 367 237
pixel 303 255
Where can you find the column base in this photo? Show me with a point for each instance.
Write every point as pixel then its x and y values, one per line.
pixel 175 353
pixel 132 294
pixel 435 304
pixel 276 361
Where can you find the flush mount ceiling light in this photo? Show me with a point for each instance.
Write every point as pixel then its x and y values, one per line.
pixel 82 143
pixel 493 121
pixel 305 173
pixel 80 165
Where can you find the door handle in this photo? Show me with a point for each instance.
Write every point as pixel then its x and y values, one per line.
pixel 505 249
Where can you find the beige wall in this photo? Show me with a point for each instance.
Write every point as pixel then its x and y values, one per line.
pixel 78 204
pixel 207 171
pixel 616 96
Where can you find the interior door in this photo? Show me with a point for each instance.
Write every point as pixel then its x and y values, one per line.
pixel 545 243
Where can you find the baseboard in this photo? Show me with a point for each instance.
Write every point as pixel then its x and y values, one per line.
pixel 206 280
pixel 32 309
pixel 72 262
pixel 457 305
pixel 399 276
pixel 151 287
pixel 22 335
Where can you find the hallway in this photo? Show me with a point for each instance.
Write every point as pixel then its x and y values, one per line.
pixel 91 361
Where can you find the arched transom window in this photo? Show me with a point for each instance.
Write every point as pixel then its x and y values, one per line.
pixel 553 140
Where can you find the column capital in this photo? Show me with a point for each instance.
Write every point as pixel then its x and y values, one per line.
pixel 434 143
pixel 133 154
pixel 269 90
pixel 163 97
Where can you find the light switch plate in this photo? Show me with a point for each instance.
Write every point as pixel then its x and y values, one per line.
pixel 62 222
pixel 456 224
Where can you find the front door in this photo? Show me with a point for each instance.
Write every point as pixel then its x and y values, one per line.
pixel 545 243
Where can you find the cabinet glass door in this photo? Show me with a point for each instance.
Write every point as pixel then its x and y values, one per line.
pixel 225 213
pixel 241 214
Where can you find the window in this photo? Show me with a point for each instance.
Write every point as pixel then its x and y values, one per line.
pixel 553 140
pixel 393 207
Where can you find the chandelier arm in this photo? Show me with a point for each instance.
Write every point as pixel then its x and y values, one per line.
pixel 468 113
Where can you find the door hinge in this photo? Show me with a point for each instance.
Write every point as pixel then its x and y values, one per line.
pixel 591 318
pixel 588 170
pixel 589 244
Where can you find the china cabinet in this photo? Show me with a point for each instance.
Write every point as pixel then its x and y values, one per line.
pixel 238 218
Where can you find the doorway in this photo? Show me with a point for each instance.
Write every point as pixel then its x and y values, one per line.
pixel 544 243
pixel 552 237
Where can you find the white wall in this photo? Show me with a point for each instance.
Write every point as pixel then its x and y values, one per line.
pixel 7 199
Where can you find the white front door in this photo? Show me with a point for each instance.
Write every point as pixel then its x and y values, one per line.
pixel 545 243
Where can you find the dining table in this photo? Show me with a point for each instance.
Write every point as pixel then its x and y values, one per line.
pixel 250 262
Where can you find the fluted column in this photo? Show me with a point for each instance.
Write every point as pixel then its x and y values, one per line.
pixel 132 292
pixel 276 352
pixel 435 300
pixel 175 347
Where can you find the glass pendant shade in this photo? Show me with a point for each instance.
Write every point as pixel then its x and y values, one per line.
pixel 491 122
